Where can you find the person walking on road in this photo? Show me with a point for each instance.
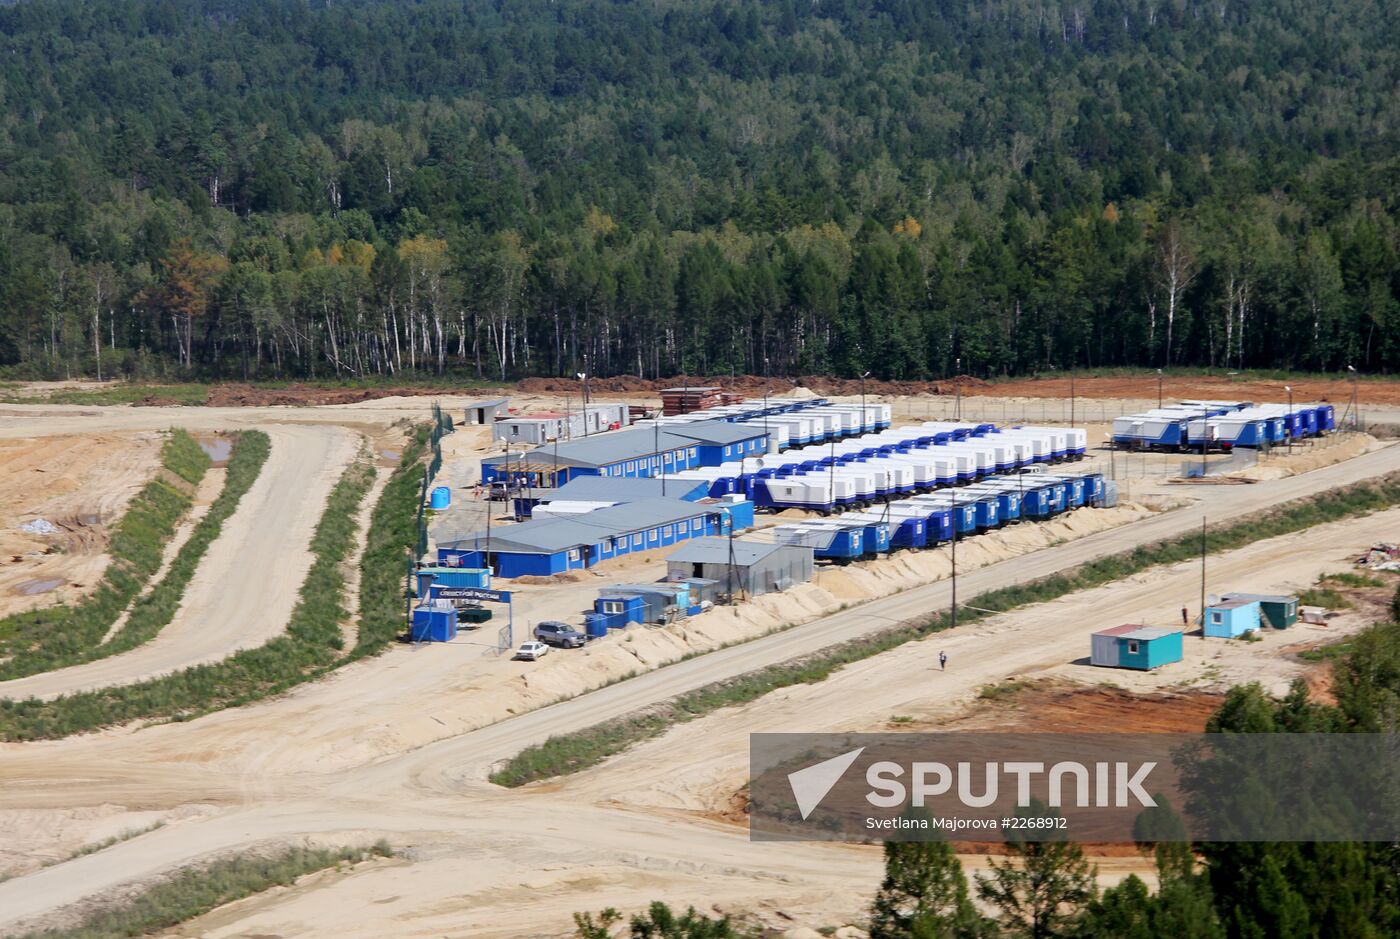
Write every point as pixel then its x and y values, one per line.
pixel 1185 617
pixel 942 661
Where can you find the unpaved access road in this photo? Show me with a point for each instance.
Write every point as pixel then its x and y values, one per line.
pixel 244 590
pixel 490 841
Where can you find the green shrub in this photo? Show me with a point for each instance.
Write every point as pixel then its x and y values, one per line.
pixel 392 536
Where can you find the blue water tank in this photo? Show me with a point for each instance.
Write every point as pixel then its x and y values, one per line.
pixel 440 498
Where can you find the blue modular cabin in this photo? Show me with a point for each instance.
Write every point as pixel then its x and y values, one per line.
pixel 433 624
pixel 1149 432
pixel 613 489
pixel 554 545
pixel 1075 489
pixel 1227 619
pixel 829 541
pixel 1140 647
pixel 451 576
pixel 1325 417
pixel 615 608
pixel 963 516
pixel 880 532
pixel 1008 501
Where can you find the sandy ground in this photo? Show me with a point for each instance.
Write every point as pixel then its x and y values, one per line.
pixel 378 749
pixel 261 553
pixel 79 483
pixel 649 824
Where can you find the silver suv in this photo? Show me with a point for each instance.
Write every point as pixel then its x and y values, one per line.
pixel 559 634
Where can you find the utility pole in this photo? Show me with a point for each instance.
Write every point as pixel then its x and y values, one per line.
pixel 831 476
pixel 1159 388
pixel 1071 400
pixel 1203 574
pixel 863 377
pixel 1355 403
pixel 1289 422
pixel 583 377
pixel 953 608
pixel 957 389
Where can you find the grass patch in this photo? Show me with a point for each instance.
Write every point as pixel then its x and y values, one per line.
pixel 1329 597
pixel 1002 690
pixel 195 891
pixel 1350 579
pixel 393 533
pixel 1327 653
pixel 45 639
pixel 310 647
pixel 559 756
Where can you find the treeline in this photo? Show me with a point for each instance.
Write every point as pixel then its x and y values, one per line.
pixel 269 188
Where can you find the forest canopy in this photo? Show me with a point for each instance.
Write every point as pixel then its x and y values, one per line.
pixel 272 188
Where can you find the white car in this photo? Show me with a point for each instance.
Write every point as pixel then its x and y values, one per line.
pixel 530 651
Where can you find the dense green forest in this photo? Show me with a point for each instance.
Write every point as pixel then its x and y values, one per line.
pixel 272 188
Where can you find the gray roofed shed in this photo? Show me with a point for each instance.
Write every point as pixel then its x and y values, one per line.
pixel 758 567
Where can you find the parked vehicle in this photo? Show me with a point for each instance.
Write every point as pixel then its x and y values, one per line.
pixel 554 633
pixel 501 490
pixel 530 651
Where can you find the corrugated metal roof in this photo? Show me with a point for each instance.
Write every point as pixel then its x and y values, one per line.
pixel 1230 604
pixel 1136 631
pixel 603 449
pixel 551 535
pixel 493 403
pixel 716 551
pixel 1261 597
pixel 720 432
pixel 621 489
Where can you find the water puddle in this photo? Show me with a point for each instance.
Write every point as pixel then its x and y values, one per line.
pixel 217 448
pixel 31 587
pixel 389 455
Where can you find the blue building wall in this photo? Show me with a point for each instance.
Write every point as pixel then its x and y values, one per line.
pixel 1151 653
pixel 1228 622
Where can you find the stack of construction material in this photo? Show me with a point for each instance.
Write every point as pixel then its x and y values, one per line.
pixel 685 400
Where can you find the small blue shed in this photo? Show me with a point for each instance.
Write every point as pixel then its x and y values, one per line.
pixel 1228 619
pixel 433 624
pixel 442 576
pixel 1133 646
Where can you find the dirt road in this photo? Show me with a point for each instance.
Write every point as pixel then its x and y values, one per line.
pixel 480 844
pixel 243 593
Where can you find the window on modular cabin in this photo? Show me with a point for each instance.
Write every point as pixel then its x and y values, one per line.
pixel 693 452
pixel 1132 647
pixel 612 606
pixel 573 554
pixel 1217 618
pixel 637 541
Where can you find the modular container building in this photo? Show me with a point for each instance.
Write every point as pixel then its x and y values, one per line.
pixel 663 602
pixel 1150 432
pixel 487 412
pixel 1279 610
pixel 828 542
pixel 553 545
pixel 1228 619
pixel 1139 647
pixel 736 565
pixel 434 623
pixel 444 576
pixel 615 609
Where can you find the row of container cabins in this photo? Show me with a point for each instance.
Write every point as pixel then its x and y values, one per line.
pixel 909 474
pixel 1221 425
pixel 790 422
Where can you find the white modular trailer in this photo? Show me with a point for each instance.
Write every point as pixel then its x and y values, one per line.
pixel 815 492
pixel 1041 443
pixel 1070 442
